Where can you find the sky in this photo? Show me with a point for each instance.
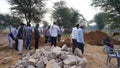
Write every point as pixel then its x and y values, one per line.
pixel 83 6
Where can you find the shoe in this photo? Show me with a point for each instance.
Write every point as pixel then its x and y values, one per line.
pixel 16 49
pixel 30 48
pixel 19 53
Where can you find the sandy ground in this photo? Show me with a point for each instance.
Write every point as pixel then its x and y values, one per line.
pixel 94 54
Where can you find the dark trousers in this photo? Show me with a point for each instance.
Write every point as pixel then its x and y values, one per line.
pixel 36 43
pixel 53 41
pixel 81 47
pixel 28 42
pixel 74 45
pixel 46 39
pixel 16 44
pixel 59 38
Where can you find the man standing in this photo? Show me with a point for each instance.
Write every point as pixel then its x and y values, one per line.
pixel 74 37
pixel 46 34
pixel 59 35
pixel 15 35
pixel 20 38
pixel 80 38
pixel 28 34
pixel 53 33
pixel 37 35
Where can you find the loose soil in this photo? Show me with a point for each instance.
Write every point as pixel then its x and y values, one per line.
pixel 95 55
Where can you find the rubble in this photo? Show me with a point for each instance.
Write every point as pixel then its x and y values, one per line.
pixel 52 57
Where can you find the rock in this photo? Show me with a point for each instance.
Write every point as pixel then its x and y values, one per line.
pixel 20 66
pixel 71 60
pixel 31 52
pixel 32 61
pixel 63 55
pixel 52 64
pixel 61 64
pixel 24 63
pixel 30 66
pixel 70 50
pixel 56 50
pixel 83 63
pixel 40 64
pixel 53 55
pixel 26 57
pixel 79 66
pixel 64 47
pixel 39 52
pixel 45 60
pixel 6 60
pixel 45 51
pixel 73 67
pixel 62 40
pixel 66 66
pixel 78 52
pixel 48 48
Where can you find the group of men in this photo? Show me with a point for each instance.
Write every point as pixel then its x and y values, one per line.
pixel 52 34
pixel 77 38
pixel 18 33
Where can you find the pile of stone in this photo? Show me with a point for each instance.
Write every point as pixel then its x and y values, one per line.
pixel 52 57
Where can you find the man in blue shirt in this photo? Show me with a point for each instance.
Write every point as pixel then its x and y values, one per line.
pixel 80 38
pixel 28 34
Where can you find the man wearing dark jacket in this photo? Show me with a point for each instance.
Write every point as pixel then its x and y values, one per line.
pixel 37 35
pixel 20 38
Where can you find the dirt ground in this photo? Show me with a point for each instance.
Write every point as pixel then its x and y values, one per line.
pixel 94 54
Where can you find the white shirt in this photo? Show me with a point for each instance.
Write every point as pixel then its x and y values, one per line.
pixel 80 35
pixel 74 33
pixel 54 30
pixel 14 32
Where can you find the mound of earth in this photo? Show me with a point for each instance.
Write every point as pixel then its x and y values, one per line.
pixel 96 37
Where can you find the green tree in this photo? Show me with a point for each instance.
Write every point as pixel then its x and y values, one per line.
pixel 31 10
pixel 8 21
pixel 45 24
pixel 75 17
pixel 99 21
pixel 66 17
pixel 2 22
pixel 112 9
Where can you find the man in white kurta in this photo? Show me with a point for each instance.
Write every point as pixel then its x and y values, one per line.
pixel 54 33
pixel 74 37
